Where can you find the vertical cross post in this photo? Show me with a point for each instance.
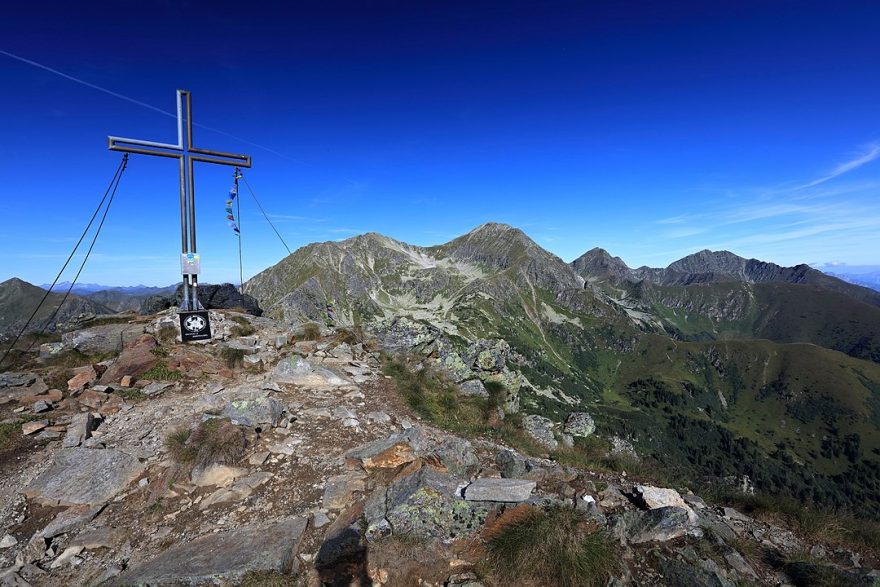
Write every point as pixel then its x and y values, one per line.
pixel 186 154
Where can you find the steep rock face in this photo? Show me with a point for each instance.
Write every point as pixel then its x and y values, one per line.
pixel 18 299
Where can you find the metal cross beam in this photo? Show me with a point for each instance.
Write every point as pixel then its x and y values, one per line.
pixel 186 154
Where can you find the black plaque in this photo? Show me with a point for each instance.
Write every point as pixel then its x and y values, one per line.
pixel 194 326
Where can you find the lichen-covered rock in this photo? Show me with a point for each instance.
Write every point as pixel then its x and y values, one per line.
pixel 424 504
pixel 474 387
pixel 541 430
pixel 100 340
pixel 299 371
pixel 579 424
pixel 254 411
pixel 82 476
pixel 657 525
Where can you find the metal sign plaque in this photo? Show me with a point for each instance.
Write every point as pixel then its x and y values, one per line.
pixel 195 326
pixel 190 263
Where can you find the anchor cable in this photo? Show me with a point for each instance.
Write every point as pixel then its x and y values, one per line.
pixel 114 184
pixel 266 216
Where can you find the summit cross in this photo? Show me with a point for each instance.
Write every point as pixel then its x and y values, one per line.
pixel 186 154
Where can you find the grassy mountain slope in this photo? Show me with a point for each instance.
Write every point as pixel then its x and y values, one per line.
pixel 19 298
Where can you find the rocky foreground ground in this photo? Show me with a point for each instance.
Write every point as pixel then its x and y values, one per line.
pixel 320 474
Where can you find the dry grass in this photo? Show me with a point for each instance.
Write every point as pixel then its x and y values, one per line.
pixel 232 357
pixel 242 327
pixel 213 441
pixel 556 547
pixel 311 331
pixel 167 334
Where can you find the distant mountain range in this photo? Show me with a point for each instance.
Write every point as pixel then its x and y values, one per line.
pixel 870 279
pixel 18 299
pixel 717 365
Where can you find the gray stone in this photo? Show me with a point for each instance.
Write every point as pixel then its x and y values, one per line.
pixel 298 371
pixel 378 417
pixel 732 514
pixel 83 476
pixel 253 412
pixel 40 406
pixel 339 489
pixel 102 340
pixel 224 555
pixel 424 504
pixel 658 497
pixel 507 490
pixel 579 424
pixel 474 387
pixel 735 560
pixel 657 525
pixel 281 341
pixel 79 430
pixel 541 430
pixel 8 541
pixel 341 413
pixel 319 520
pixel 71 519
pixel 16 379
pixel 156 388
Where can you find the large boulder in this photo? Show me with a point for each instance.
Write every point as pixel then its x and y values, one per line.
pixel 82 476
pixel 102 340
pixel 541 430
pixel 226 295
pixel 298 371
pixel 224 556
pixel 579 424
pixel 136 359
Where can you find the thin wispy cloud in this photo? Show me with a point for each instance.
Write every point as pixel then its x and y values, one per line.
pixel 871 153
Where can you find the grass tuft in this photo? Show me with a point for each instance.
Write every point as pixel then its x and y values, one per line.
pixel 311 331
pixel 557 546
pixel 232 357
pixel 242 327
pixel 213 441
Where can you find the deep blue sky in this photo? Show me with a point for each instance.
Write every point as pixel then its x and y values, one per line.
pixel 652 129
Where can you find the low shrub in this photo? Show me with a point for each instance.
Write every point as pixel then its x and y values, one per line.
pixel 557 547
pixel 162 372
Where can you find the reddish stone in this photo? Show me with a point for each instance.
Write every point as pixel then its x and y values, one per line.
pixel 112 405
pixel 228 373
pixel 93 399
pixel 81 380
pixel 32 427
pixel 55 395
pixel 135 360
pixel 126 381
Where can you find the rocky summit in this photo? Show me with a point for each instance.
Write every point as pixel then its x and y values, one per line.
pixel 477 413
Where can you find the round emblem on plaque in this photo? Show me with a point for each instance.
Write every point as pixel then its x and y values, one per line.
pixel 194 323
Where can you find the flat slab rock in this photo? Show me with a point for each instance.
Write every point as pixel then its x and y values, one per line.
pixel 506 490
pixel 224 555
pixel 82 476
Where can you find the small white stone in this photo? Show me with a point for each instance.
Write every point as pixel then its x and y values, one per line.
pixel 8 540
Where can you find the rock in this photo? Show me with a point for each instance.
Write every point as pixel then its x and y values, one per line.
pixel 506 490
pixel 739 564
pixel 70 520
pixel 258 458
pixel 695 501
pixel 339 489
pixel 156 388
pixel 8 541
pixel 515 466
pixel 135 360
pixel 223 296
pixel 579 424
pixel 254 412
pixel 240 489
pixel 215 474
pixel 732 514
pixel 79 430
pixel 81 380
pixel 341 413
pixel 224 556
pixel 351 423
pixel 387 453
pixel 378 417
pixel 679 574
pixel 69 552
pixel 424 504
pixel 657 525
pixel 93 399
pixel 83 476
pixel 10 379
pixel 657 497
pixel 98 538
pixel 474 387
pixel 319 520
pixel 40 406
pixel 126 381
pixel 33 427
pixel 298 371
pixel 541 430
pixel 281 341
pixel 102 340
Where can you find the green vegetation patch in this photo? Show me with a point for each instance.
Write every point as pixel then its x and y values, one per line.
pixel 162 372
pixel 557 546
